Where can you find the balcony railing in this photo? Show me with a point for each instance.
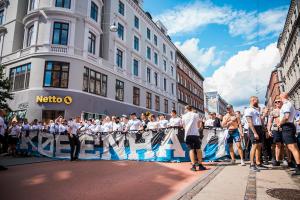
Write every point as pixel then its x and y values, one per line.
pixel 59 49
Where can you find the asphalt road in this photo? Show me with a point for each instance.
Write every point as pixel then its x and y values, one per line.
pixel 107 180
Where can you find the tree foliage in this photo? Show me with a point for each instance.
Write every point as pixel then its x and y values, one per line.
pixel 5 94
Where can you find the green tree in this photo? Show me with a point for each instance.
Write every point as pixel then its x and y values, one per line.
pixel 4 90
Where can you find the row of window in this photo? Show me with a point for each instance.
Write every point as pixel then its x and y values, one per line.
pixel 136 23
pixel 187 84
pixel 56 75
pixel 188 99
pixel 67 4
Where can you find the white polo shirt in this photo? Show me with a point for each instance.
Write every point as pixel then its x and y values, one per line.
pixel 163 123
pixel 254 114
pixel 175 121
pixel 288 107
pixel 190 123
pixel 134 124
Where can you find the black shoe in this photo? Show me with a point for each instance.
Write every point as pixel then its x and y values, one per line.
pixel 193 168
pixel 266 162
pixel 254 168
pixel 276 163
pixel 296 173
pixel 291 165
pixel 2 168
pixel 261 166
pixel 201 167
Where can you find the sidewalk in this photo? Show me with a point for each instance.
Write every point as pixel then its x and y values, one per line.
pixel 8 161
pixel 237 182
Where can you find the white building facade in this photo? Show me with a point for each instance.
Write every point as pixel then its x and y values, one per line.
pixel 62 58
pixel 289 47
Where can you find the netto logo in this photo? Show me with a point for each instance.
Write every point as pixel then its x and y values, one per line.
pixel 54 99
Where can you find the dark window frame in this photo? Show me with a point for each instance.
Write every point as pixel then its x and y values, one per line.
pixel 148 100
pixel 94 11
pixel 136 43
pixel 102 81
pixel 119 58
pixel 121 31
pixel 135 66
pixel 12 79
pixel 92 43
pixel 121 8
pixel 30 32
pixel 120 87
pixel 166 105
pixel 60 33
pixel 157 103
pixel 136 22
pixel 64 4
pixel 136 96
pixel 61 71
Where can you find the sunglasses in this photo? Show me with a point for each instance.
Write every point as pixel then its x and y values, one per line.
pixel 277 101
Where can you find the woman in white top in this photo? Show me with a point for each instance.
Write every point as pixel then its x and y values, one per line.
pixel 107 125
pixel 152 124
pixel 13 135
pixel 117 126
pixel 163 123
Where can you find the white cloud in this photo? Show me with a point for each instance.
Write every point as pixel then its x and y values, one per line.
pixel 243 73
pixel 201 58
pixel 192 16
pixel 251 24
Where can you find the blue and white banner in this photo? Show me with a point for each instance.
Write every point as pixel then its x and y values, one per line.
pixel 165 145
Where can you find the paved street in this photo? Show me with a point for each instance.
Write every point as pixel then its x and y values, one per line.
pixel 96 180
pixel 43 178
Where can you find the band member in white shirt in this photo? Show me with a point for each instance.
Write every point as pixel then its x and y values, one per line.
pixel 256 132
pixel 152 124
pixel 13 135
pixel 134 124
pixel 286 122
pixel 174 121
pixel 74 130
pixel 191 125
pixel 163 123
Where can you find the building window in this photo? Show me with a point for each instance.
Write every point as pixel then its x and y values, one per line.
pixel 156 78
pixel 136 22
pixel 56 74
pixel 155 40
pixel 121 31
pixel 121 8
pixel 119 59
pixel 60 33
pixel 19 77
pixel 164 48
pixel 91 43
pixel 31 5
pixel 94 11
pixel 63 3
pixel 172 70
pixel 136 96
pixel 165 65
pixel 94 82
pixel 166 103
pixel 29 36
pixel 1 16
pixel 136 43
pixel 149 53
pixel 148 34
pixel 155 58
pixel 172 88
pixel 135 67
pixel 171 53
pixel 148 75
pixel 119 90
pixel 165 84
pixel 173 106
pixel 157 103
pixel 148 100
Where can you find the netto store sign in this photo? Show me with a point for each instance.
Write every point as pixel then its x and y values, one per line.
pixel 54 99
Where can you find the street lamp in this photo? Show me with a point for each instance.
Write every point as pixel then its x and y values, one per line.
pixel 113 28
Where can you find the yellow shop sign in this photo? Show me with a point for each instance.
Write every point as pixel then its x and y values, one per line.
pixel 54 99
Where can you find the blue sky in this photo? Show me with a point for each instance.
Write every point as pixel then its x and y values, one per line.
pixel 221 36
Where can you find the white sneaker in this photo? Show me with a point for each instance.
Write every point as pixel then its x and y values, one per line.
pixel 242 163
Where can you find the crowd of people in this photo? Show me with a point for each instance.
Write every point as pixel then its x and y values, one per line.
pixel 260 135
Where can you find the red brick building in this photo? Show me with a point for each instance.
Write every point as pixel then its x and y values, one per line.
pixel 273 89
pixel 189 85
